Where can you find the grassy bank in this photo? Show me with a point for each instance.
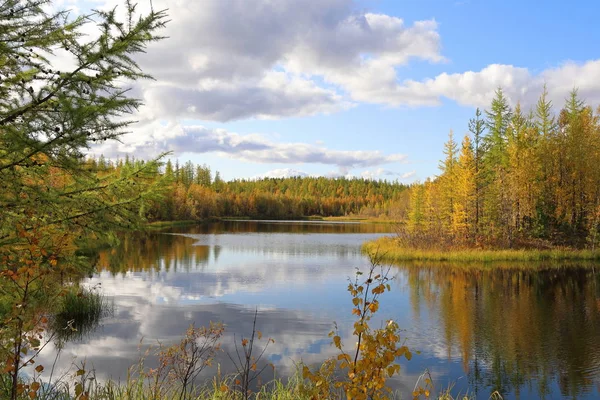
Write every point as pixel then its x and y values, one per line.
pixel 390 251
pixel 170 224
pixel 358 218
pixel 295 388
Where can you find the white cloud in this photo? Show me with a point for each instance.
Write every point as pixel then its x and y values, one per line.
pixel 227 59
pixel 275 95
pixel 154 138
pixel 519 84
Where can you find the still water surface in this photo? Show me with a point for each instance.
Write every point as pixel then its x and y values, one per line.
pixel 523 332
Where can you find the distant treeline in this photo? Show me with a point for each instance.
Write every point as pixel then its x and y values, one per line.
pixel 518 179
pixel 192 192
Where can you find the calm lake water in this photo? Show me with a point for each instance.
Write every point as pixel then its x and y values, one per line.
pixel 525 333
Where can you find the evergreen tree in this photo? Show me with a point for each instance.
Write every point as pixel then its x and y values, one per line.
pixel 494 164
pixel 477 128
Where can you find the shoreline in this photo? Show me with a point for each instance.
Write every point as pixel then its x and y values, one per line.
pixel 176 223
pixel 390 252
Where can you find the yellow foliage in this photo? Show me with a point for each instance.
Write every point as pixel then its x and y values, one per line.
pixel 373 362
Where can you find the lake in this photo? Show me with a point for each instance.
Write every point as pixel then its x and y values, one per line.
pixel 527 331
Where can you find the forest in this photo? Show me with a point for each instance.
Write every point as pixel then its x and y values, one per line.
pixel 519 178
pixel 191 192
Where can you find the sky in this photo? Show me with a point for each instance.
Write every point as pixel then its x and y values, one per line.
pixel 367 88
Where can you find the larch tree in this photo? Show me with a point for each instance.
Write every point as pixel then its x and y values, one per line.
pixel 463 217
pixel 477 128
pixel 49 117
pixel 447 181
pixel 546 157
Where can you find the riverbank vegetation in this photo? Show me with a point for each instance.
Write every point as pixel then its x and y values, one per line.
pixel 392 250
pixel 520 180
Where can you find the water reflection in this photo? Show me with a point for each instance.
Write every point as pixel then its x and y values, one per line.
pixel 526 331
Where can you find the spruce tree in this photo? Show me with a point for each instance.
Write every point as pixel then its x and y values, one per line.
pixel 477 128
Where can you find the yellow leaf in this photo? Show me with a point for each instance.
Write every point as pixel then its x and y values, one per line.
pixel 80 372
pixel 253 367
pixel 224 388
pixel 305 372
pixel 259 334
pixel 35 386
pixel 373 307
pixel 244 342
pixel 39 368
pixel 337 341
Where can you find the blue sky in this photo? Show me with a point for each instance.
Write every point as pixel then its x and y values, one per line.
pixel 340 87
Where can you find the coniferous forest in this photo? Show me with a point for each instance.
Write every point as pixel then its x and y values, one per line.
pixel 519 178
pixel 192 193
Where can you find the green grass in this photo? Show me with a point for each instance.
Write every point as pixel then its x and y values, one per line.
pixel 358 218
pixel 390 250
pixel 79 313
pixel 169 224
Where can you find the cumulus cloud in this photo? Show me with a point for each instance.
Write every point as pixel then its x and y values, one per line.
pixel 276 95
pixel 227 59
pixel 519 84
pixel 157 138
